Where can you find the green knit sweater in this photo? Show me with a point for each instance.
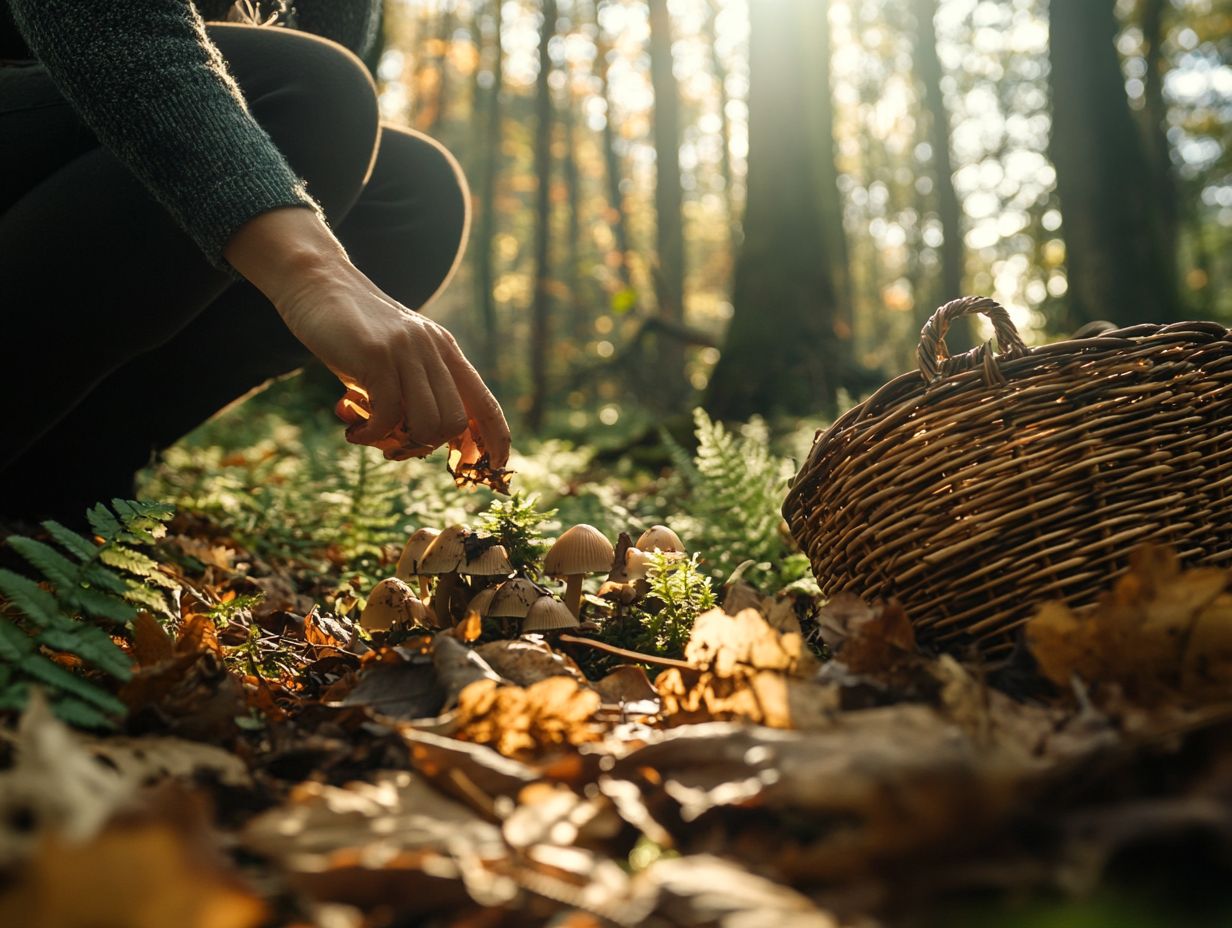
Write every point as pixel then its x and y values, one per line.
pixel 146 79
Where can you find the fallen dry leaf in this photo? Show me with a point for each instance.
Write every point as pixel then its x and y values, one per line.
pixel 868 638
pixel 145 874
pixel 744 669
pixel 1160 630
pixel 552 713
pixel 525 661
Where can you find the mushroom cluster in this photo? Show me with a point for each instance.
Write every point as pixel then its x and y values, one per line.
pixel 458 571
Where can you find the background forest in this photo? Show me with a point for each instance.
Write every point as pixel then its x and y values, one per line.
pixel 754 204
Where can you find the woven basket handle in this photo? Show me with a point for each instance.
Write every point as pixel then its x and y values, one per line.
pixel 934 357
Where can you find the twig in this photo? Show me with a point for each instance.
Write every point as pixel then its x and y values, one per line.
pixel 625 652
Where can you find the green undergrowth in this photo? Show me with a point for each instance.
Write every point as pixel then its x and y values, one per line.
pixel 284 484
pixel 76 594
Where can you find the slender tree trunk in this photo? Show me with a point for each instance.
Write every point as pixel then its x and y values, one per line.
pixel 1111 220
pixel 573 198
pixel 489 169
pixel 541 311
pixel 834 234
pixel 614 168
pixel 668 198
pixel 949 211
pixel 434 114
pixel 1155 117
pixel 720 80
pixel 780 353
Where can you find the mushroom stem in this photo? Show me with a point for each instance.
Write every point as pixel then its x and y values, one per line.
pixel 445 586
pixel 423 588
pixel 573 594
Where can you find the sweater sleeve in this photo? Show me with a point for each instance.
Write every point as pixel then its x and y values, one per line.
pixel 146 79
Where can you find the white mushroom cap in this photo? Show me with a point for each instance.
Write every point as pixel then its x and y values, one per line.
pixel 581 550
pixel 446 552
pixel 637 563
pixel 493 562
pixel 661 538
pixel 390 604
pixel 547 614
pixel 413 552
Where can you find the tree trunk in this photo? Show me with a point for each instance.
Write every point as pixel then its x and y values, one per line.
pixel 1155 117
pixel 720 79
pixel 781 353
pixel 949 211
pixel 573 198
pixel 668 199
pixel 612 162
pixel 489 169
pixel 541 311
pixel 432 113
pixel 1112 224
pixel 834 234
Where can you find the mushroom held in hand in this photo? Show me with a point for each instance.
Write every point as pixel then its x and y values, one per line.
pixel 392 604
pixel 579 551
pixel 548 614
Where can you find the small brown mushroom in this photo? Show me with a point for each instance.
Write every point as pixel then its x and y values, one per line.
pixel 661 538
pixel 412 554
pixel 548 614
pixel 513 598
pixel 581 550
pixel 442 559
pixel 392 604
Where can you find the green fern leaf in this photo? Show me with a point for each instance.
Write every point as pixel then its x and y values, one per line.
pixel 33 601
pixel 138 564
pixel 83 548
pixel 83 715
pixel 149 598
pixel 54 565
pixel 97 576
pixel 99 604
pixel 46 671
pixel 103 522
pixel 14 643
pixel 92 645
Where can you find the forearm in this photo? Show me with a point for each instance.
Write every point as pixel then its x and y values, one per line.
pixel 286 251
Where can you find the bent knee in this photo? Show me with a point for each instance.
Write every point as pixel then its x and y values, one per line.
pixel 316 101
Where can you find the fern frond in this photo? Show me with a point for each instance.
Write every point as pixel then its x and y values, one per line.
pixel 50 562
pixel 34 601
pixel 83 548
pixel 92 645
pixel 55 676
pixel 103 581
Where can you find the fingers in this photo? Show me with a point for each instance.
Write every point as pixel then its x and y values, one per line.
pixel 448 400
pixel 484 412
pixel 422 395
pixel 385 401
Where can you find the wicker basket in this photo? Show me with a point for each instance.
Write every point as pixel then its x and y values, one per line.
pixel 995 483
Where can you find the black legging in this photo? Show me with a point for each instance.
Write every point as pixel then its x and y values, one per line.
pixel 116 335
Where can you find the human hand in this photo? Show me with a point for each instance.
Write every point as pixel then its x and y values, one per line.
pixel 409 388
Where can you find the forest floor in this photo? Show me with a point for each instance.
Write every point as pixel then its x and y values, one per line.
pixel 779 761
